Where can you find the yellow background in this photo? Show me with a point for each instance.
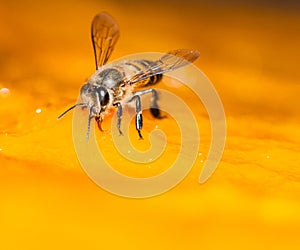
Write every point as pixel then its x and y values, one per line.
pixel 251 54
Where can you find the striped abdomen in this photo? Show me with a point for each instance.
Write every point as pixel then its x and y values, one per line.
pixel 136 67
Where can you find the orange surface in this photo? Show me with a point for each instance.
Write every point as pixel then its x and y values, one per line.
pixel 249 51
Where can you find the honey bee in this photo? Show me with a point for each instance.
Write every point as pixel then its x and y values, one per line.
pixel 116 84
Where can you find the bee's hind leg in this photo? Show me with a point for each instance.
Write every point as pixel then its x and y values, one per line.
pixel 119 113
pixel 154 108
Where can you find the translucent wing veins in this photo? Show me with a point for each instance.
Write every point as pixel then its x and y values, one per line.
pixel 105 33
pixel 172 60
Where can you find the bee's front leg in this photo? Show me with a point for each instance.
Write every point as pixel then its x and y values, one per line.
pixel 119 113
pixel 91 116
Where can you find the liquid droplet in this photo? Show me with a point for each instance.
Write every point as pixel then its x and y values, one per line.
pixel 38 111
pixel 4 92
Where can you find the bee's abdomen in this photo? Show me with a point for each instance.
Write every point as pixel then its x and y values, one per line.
pixel 154 78
pixel 144 66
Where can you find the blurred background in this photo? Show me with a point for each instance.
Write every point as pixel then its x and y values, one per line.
pixel 249 51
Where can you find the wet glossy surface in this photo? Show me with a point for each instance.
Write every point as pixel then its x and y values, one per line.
pixel 252 201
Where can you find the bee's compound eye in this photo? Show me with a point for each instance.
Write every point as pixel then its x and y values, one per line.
pixel 103 96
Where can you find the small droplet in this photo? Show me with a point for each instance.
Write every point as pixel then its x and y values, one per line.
pixel 4 92
pixel 200 154
pixel 201 161
pixel 156 126
pixel 128 151
pixel 0 149
pixel 268 157
pixel 38 111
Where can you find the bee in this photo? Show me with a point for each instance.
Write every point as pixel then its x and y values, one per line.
pixel 116 84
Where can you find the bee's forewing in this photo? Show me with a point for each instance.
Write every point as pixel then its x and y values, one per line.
pixel 172 60
pixel 105 33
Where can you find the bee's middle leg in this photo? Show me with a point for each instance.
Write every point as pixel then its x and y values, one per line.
pixel 139 116
pixel 154 108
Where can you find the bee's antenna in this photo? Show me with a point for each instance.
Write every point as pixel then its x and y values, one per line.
pixel 74 106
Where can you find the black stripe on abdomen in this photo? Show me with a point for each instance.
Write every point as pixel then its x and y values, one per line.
pixel 154 78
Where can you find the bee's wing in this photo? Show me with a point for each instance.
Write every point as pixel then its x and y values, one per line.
pixel 105 33
pixel 172 60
